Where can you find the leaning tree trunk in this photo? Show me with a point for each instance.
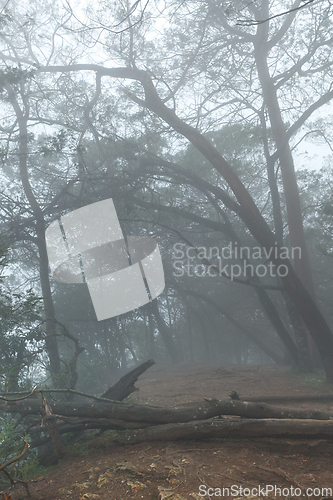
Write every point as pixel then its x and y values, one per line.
pixel 290 186
pixel 304 357
pixel 268 306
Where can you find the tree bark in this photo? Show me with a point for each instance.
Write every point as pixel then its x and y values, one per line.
pixel 53 430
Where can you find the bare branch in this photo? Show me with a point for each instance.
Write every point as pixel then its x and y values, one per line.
pixel 19 399
pixel 246 22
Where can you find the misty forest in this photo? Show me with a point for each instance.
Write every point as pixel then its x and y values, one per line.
pixel 209 125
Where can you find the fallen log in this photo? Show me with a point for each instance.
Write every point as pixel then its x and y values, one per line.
pixel 213 429
pixel 81 426
pixel 77 425
pixel 283 398
pixel 162 415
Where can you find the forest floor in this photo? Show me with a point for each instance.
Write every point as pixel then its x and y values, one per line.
pixel 176 470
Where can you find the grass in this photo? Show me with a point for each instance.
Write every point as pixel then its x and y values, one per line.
pixel 314 379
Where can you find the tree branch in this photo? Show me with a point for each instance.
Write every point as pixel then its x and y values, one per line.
pixel 246 22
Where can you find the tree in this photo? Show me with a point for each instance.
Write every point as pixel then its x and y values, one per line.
pixel 16 92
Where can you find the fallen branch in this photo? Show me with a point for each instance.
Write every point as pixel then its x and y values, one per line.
pixel 13 481
pixel 67 391
pixel 2 398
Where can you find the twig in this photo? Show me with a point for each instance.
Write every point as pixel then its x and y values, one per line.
pixel 245 22
pixel 72 391
pixel 19 481
pixel 98 398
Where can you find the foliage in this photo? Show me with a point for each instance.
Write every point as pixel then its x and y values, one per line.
pixel 20 334
pixel 11 446
pixel 13 76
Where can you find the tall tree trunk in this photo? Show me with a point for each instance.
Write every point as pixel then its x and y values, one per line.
pixel 203 329
pixel 305 361
pixel 50 324
pixel 165 333
pixel 121 344
pixel 290 186
pixel 151 341
pixel 266 302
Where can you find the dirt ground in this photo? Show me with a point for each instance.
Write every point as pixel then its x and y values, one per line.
pixel 177 470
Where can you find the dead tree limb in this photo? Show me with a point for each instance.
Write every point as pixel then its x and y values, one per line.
pixel 19 399
pixel 78 425
pixel 125 386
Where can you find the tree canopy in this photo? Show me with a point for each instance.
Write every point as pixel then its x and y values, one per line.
pixel 190 115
